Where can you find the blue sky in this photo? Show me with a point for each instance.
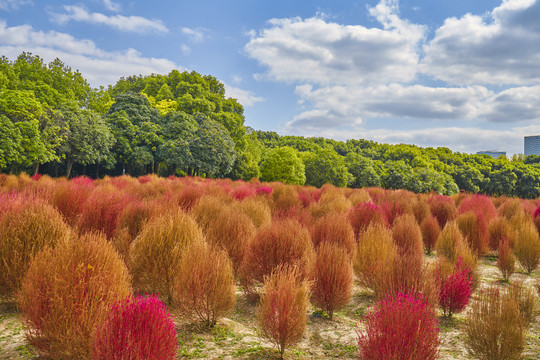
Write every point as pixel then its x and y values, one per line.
pixel 454 73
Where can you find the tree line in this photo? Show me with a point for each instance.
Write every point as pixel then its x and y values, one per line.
pixel 53 122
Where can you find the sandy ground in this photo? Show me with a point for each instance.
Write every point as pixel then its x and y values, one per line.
pixel 237 337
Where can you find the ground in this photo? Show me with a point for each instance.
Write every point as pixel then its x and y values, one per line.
pixel 237 337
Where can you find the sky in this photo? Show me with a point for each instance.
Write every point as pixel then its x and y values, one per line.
pixel 455 73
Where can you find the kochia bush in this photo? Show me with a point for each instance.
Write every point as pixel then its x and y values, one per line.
pixel 135 328
pixel 26 227
pixel 362 215
pixel 430 232
pixel 282 311
pixel 334 229
pixel 455 290
pixel 333 278
pixel 281 242
pixel 156 252
pixel 67 292
pixel 400 327
pixel 205 284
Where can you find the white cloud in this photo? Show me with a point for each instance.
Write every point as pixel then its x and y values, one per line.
pixel 196 35
pixel 501 48
pixel 13 4
pixel 244 97
pixel 112 6
pixel 98 66
pixel 320 52
pixel 135 24
pixel 185 49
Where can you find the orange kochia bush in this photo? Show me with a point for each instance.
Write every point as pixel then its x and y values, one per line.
pixel 281 242
pixel 67 292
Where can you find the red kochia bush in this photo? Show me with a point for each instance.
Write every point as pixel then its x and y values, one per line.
pixel 136 328
pixel 455 291
pixel 400 327
pixel 101 210
pixel 481 205
pixel 443 208
pixel 362 215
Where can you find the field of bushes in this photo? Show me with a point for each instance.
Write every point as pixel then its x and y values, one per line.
pixel 186 267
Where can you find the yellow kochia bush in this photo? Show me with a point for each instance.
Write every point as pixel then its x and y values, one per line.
pixel 67 292
pixel 155 254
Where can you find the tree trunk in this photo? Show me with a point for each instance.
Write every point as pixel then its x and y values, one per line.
pixel 55 169
pixel 36 168
pixel 68 168
pixel 97 171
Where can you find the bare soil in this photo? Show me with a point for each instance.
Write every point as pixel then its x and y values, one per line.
pixel 237 336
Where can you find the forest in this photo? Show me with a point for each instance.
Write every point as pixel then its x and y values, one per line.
pixel 53 122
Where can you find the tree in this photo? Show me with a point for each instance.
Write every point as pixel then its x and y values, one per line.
pixel 88 141
pixel 10 142
pixel 326 166
pixel 363 171
pixel 283 164
pixel 212 148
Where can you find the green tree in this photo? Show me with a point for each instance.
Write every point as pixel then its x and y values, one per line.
pixel 11 149
pixel 283 164
pixel 326 166
pixel 363 171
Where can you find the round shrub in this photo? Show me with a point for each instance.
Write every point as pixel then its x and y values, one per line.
pixel 362 215
pixel 430 232
pixel 334 229
pixel 443 208
pixel 26 227
pixel 231 231
pixel 498 230
pixel 155 254
pixel 206 209
pixel 67 292
pixel 101 210
pixel 506 261
pixel 474 228
pixel 256 209
pixel 455 290
pixel 333 278
pixel 135 328
pixel 205 284
pixel 282 311
pixel 527 248
pixel 408 237
pixel 494 327
pixel 69 197
pixel 400 327
pixel 281 242
pixel 375 254
pixel 481 205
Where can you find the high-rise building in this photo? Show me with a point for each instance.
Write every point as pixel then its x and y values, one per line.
pixel 493 153
pixel 532 145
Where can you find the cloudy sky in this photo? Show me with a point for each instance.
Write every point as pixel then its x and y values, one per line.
pixel 456 73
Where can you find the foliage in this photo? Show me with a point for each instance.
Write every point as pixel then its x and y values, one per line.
pixel 494 326
pixel 362 215
pixel 400 327
pixel 506 261
pixel 283 164
pixel 204 284
pixel 326 166
pixel 281 242
pixel 527 248
pixel 332 278
pixel 155 254
pixel 430 233
pixel 474 228
pixel 336 230
pixel 455 289
pixel 282 310
pixel 27 226
pixel 66 293
pixel 135 328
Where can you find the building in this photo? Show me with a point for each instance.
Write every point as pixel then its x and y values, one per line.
pixel 493 153
pixel 532 145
